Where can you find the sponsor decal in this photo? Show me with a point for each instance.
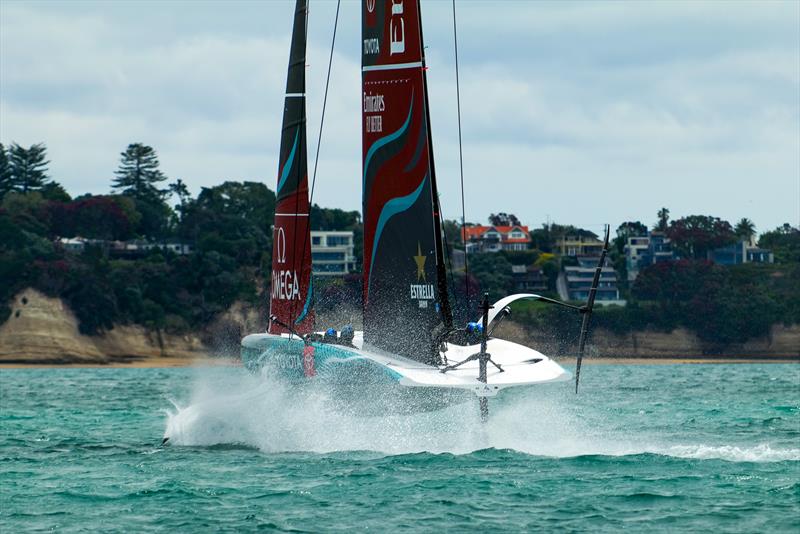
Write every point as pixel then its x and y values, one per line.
pixel 373 104
pixel 397 29
pixel 285 285
pixel 280 244
pixel 422 293
pixel 285 282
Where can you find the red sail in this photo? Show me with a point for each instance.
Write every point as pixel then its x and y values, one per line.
pixel 403 298
pixel 291 297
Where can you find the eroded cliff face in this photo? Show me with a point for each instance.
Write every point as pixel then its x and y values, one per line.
pixel 44 330
pixel 783 342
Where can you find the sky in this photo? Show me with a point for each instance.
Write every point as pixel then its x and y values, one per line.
pixel 579 113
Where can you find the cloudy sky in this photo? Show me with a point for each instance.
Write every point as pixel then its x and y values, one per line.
pixel 574 112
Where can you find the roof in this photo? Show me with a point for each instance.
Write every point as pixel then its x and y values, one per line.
pixel 477 232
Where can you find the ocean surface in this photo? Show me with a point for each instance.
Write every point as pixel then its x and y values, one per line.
pixel 642 448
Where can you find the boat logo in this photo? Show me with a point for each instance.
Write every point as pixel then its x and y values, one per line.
pixel 370 5
pixel 423 292
pixel 280 245
pixel 419 259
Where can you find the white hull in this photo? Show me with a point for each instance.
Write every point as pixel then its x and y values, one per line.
pixel 522 366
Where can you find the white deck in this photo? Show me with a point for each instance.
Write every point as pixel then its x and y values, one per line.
pixel 522 366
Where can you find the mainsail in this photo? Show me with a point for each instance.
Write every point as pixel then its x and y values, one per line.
pixel 291 294
pixel 405 287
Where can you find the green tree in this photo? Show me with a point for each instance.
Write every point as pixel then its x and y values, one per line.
pixel 233 219
pixel 503 219
pixel 28 167
pixel 55 192
pixel 138 173
pixel 493 272
pixel 745 229
pixel 626 230
pixel 694 236
pixel 784 242
pixel 452 232
pixel 6 181
pixel 663 220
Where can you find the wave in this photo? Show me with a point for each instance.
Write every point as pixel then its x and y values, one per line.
pixel 758 453
pixel 254 412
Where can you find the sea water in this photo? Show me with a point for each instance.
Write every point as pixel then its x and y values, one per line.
pixel 642 448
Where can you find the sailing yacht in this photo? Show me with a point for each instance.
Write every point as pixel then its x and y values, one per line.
pixel 410 341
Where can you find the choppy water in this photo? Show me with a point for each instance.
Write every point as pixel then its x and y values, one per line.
pixel 659 447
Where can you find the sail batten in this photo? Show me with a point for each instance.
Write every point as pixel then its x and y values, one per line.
pixel 291 295
pixel 405 293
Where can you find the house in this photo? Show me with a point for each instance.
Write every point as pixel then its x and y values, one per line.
pixel 643 251
pixel 495 238
pixel 528 278
pixel 740 252
pixel 332 253
pixel 74 245
pixel 579 281
pixel 581 243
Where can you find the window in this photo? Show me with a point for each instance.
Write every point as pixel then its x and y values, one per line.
pixel 315 240
pixel 329 268
pixel 339 240
pixel 327 256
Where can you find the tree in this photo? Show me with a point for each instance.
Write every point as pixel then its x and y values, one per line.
pixel 6 182
pixel 493 272
pixel 452 232
pixel 694 236
pixel 745 229
pixel 503 219
pixel 663 220
pixel 138 173
pixel 233 219
pixel 784 242
pixel 179 189
pixel 28 167
pixel 55 192
pixel 626 230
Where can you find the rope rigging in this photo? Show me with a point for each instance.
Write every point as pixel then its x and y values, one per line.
pixel 461 163
pixel 319 137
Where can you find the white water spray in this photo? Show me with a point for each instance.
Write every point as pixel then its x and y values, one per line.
pixel 237 408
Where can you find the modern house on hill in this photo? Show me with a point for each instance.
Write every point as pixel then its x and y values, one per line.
pixel 579 281
pixel 495 238
pixel 582 243
pixel 740 252
pixel 332 253
pixel 528 279
pixel 643 251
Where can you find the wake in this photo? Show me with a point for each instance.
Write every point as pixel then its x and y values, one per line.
pixel 266 414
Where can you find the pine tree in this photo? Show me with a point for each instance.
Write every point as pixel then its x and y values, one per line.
pixel 28 167
pixel 138 173
pixel 6 182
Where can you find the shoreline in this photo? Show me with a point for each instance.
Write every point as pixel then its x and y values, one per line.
pixel 159 362
pixel 163 362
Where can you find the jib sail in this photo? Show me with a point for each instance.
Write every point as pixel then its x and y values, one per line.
pixel 291 299
pixel 405 290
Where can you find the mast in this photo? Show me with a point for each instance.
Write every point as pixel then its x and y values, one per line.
pixel 405 284
pixel 291 295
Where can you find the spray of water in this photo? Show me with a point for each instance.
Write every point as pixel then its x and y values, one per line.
pixel 273 416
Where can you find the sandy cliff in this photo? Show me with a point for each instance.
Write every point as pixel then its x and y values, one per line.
pixel 783 342
pixel 44 330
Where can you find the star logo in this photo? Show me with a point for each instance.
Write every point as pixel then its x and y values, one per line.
pixel 419 259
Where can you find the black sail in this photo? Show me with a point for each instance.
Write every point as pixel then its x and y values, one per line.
pixel 405 288
pixel 291 296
